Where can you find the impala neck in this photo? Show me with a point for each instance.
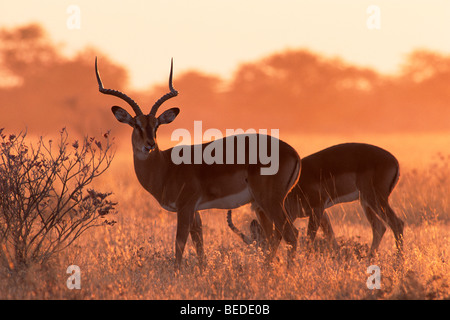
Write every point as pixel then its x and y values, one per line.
pixel 150 170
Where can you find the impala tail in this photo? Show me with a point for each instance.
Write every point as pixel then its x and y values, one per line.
pixel 236 230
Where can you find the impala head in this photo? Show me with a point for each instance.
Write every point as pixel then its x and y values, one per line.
pixel 144 125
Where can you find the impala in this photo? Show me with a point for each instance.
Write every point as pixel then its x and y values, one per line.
pixel 186 188
pixel 343 173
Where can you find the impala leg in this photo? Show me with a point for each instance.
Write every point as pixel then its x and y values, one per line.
pixel 382 192
pixel 290 233
pixel 185 219
pixel 197 238
pixel 274 242
pixel 273 236
pixel 380 205
pixel 378 228
pixel 396 225
pixel 328 230
pixel 285 229
pixel 267 226
pixel 269 193
pixel 314 223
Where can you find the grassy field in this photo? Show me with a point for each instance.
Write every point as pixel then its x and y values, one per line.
pixel 134 259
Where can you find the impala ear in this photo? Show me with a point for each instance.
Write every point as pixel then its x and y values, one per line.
pixel 168 116
pixel 123 116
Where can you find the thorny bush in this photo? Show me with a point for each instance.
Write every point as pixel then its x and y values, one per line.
pixel 45 202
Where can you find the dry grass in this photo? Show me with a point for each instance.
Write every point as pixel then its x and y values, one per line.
pixel 135 258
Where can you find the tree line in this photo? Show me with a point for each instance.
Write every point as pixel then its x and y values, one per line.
pixel 296 91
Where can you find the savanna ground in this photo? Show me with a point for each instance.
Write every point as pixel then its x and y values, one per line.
pixel 134 259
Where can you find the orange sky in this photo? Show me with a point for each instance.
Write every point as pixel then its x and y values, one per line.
pixel 215 36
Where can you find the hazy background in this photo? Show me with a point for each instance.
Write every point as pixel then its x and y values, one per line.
pixel 314 70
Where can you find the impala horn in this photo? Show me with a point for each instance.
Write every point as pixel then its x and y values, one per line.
pixel 116 93
pixel 167 96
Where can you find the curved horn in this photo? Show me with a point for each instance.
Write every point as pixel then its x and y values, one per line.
pixel 167 96
pixel 116 93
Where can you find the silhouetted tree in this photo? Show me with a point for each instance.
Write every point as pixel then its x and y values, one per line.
pixel 50 90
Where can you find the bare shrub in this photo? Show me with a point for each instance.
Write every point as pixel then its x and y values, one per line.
pixel 45 202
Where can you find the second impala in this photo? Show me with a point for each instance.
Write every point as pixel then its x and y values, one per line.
pixel 186 188
pixel 343 173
